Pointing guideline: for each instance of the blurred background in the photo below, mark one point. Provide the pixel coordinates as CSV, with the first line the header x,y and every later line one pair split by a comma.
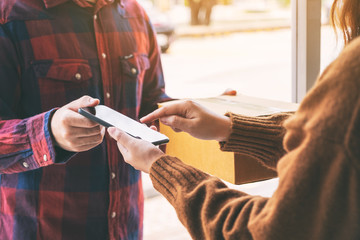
x,y
211,45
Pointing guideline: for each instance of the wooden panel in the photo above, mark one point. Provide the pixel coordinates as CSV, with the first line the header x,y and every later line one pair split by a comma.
x,y
306,29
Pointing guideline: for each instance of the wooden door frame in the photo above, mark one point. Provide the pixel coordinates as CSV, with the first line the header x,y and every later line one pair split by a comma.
x,y
306,26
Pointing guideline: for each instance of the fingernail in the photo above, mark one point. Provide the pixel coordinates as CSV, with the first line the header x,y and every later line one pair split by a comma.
x,y
111,130
92,100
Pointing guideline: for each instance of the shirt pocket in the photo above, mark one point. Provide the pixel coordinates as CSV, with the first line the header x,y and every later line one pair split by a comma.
x,y
67,79
133,68
134,65
68,70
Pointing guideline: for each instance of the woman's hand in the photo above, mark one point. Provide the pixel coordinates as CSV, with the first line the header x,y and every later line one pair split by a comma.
x,y
136,152
194,119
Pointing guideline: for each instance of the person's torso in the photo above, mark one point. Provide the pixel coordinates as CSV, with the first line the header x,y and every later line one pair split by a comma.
x,y
66,52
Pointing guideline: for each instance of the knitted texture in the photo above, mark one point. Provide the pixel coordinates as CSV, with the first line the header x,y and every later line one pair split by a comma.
x,y
317,158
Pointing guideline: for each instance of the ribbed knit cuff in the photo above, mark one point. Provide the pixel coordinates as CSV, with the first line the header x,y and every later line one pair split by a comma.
x,y
259,137
169,174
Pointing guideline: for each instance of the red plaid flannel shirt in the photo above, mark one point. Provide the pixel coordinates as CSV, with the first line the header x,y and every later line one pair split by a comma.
x,y
53,52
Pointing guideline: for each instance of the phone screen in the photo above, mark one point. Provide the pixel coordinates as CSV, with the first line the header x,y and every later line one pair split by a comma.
x,y
109,117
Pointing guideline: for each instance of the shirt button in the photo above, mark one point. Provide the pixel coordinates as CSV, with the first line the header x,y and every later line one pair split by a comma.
x,y
108,95
113,175
45,158
133,71
103,55
25,164
113,214
78,76
95,17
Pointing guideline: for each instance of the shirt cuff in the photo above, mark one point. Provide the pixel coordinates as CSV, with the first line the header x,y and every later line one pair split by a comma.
x,y
42,143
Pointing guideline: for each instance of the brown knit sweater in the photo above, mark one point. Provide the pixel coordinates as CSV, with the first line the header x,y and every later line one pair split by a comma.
x,y
316,153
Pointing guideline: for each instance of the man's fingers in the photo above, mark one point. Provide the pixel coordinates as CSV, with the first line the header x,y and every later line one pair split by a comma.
x,y
103,129
80,144
85,101
74,119
70,116
91,140
86,132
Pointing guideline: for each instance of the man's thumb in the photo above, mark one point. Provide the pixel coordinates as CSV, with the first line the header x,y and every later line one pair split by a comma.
x,y
85,101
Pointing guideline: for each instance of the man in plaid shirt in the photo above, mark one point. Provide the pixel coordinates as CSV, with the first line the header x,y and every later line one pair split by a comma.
x,y
58,178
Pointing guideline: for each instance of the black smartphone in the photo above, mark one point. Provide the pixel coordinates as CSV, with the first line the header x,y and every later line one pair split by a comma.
x,y
111,118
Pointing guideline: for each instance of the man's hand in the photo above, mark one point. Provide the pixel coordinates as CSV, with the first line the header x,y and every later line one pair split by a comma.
x,y
136,152
194,119
72,131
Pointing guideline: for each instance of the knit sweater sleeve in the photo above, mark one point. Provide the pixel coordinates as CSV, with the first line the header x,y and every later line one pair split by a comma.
x,y
259,137
318,196
204,204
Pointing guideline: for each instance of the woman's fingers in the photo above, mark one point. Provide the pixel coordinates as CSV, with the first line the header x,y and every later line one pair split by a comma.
x,y
179,109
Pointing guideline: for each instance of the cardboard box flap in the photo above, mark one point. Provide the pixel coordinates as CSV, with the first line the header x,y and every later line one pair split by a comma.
x,y
242,104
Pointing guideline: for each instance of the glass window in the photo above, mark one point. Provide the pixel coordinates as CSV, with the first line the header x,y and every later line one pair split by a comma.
x,y
246,46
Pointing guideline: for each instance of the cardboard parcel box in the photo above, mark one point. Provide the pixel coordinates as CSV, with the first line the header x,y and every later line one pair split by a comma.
x,y
206,155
